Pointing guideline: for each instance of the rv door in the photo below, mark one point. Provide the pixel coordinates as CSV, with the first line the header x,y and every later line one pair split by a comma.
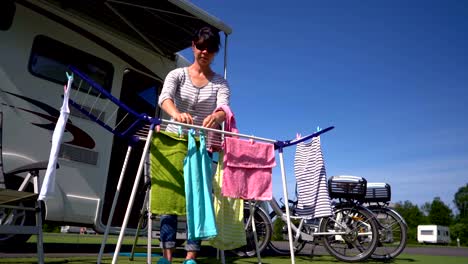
x,y
140,92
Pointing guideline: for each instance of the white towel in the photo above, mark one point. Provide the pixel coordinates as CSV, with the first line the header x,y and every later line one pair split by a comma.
x,y
48,186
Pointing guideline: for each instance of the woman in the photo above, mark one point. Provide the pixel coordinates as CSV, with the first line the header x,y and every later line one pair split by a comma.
x,y
190,95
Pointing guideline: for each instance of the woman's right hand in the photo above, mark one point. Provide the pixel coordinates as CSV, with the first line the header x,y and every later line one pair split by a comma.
x,y
183,118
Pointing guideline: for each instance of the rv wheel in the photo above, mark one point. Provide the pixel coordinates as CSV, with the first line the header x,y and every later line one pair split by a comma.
x,y
15,216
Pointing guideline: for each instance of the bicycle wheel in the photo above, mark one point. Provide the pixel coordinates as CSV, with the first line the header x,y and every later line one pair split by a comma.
x,y
392,233
361,233
298,243
263,228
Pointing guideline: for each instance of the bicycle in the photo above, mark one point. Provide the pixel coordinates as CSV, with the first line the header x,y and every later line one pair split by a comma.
x,y
393,230
263,230
392,227
350,234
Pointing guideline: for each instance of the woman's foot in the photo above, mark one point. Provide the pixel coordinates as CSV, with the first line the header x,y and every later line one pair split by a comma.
x,y
163,261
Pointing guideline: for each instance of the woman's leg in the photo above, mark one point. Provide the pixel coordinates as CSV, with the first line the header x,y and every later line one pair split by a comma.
x,y
167,235
192,247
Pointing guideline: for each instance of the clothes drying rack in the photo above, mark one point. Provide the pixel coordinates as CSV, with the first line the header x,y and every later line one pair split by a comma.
x,y
133,133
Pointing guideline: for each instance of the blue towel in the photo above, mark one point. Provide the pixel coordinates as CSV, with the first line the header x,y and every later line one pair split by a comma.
x,y
198,190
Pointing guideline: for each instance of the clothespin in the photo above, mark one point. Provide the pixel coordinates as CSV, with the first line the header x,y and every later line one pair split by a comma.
x,y
318,130
158,128
70,80
69,76
191,131
179,131
298,136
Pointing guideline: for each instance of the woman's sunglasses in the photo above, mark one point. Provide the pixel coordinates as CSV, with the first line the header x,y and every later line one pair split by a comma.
x,y
205,46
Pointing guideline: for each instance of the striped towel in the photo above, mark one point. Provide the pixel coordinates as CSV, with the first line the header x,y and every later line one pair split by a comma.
x,y
311,178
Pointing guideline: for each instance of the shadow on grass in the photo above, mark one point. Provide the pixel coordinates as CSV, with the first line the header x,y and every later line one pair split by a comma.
x,y
84,260
74,253
62,248
407,259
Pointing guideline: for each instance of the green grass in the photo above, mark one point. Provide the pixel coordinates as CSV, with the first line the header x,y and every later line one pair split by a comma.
x,y
302,259
68,238
404,258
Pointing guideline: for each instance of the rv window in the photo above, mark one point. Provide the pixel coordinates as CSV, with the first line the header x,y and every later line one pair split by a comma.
x,y
50,58
7,12
140,92
427,232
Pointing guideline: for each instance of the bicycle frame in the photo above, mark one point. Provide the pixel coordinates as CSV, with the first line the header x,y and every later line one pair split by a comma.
x,y
336,229
357,205
279,212
350,234
310,237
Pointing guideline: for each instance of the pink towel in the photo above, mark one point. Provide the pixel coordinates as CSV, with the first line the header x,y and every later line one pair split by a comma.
x,y
213,138
247,169
230,121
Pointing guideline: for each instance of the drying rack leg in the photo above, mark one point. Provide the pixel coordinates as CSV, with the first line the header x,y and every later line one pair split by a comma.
x,y
148,209
114,203
40,239
143,212
132,196
285,194
254,230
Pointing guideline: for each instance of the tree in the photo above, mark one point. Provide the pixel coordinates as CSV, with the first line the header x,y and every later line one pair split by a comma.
x,y
460,228
51,227
413,217
411,213
440,213
460,231
278,226
461,202
426,208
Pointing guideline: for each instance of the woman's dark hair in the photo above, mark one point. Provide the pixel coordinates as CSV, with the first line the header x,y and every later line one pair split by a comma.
x,y
207,36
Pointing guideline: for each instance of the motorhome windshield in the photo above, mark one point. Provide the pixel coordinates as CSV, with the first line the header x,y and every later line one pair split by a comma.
x,y
50,60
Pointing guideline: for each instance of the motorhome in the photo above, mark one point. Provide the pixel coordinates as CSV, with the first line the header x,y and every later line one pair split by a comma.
x,y
126,46
433,234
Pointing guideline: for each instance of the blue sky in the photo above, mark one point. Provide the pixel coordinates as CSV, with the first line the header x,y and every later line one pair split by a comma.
x,y
391,76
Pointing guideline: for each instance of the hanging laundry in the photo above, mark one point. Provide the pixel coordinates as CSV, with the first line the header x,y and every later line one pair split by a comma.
x,y
247,169
168,152
213,138
311,178
230,122
229,214
198,190
48,184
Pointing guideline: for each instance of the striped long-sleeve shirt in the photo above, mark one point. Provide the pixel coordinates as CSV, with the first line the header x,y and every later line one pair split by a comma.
x,y
198,101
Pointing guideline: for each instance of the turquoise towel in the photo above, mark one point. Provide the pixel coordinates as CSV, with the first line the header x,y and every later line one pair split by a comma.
x,y
198,190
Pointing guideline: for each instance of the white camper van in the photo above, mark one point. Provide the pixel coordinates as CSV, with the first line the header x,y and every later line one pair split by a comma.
x,y
127,47
433,234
